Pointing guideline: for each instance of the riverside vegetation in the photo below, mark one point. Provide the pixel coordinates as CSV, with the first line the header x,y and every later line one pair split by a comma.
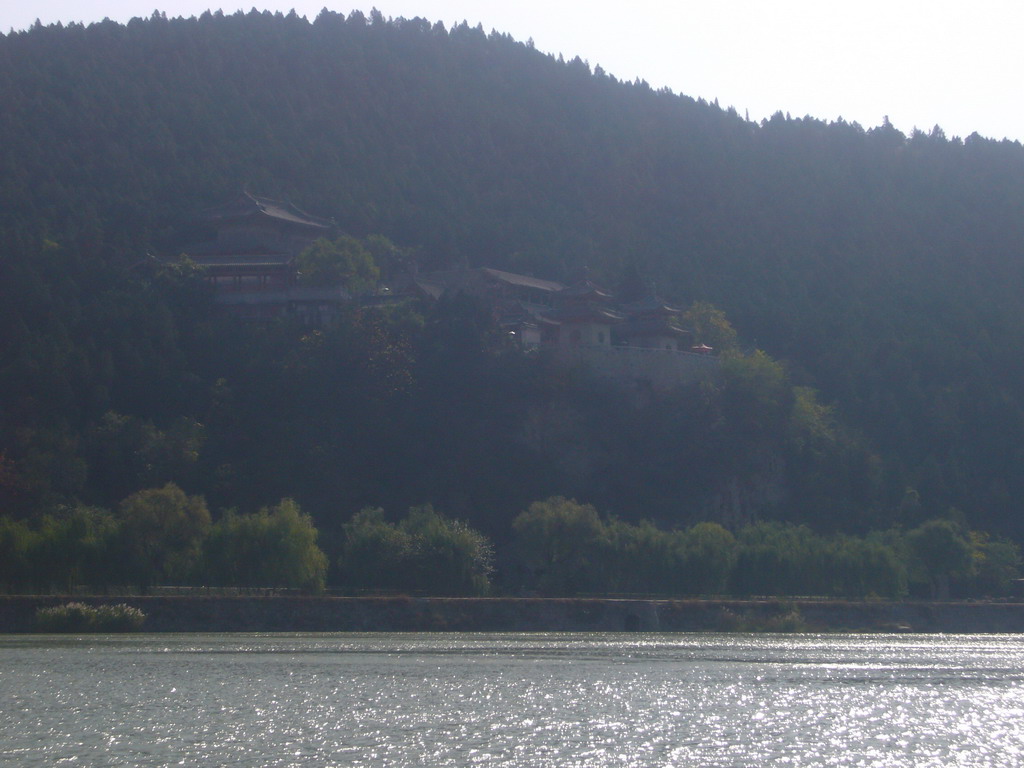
x,y
860,285
79,617
558,547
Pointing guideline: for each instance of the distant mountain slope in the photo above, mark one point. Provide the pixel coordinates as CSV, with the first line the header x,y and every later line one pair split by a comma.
x,y
886,270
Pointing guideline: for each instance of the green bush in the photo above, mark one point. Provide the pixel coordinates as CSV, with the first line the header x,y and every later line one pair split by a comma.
x,y
423,552
276,547
79,617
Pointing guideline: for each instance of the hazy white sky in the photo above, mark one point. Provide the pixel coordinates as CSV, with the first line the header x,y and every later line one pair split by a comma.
x,y
922,63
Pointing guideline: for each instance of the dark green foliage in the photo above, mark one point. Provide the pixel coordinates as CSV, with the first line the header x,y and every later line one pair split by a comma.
x,y
17,542
76,546
643,558
780,559
375,552
125,453
423,553
756,396
708,557
559,547
996,565
710,327
868,567
939,550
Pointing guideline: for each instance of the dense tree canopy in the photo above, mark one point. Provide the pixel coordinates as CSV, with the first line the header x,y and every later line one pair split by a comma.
x,y
880,274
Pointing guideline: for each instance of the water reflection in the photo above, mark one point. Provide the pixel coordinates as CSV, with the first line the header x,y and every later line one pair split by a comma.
x,y
512,700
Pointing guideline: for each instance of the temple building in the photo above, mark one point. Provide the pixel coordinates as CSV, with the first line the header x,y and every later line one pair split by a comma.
x,y
249,257
249,250
582,318
652,324
517,301
638,342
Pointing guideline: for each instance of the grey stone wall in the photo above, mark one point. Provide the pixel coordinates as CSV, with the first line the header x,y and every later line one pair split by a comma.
x,y
657,368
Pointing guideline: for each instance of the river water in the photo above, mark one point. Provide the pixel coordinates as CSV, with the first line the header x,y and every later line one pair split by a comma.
x,y
512,700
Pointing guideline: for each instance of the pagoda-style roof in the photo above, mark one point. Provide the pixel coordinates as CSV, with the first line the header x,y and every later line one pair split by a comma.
x,y
584,290
214,250
254,262
523,281
293,295
463,278
248,206
651,305
583,313
646,327
427,288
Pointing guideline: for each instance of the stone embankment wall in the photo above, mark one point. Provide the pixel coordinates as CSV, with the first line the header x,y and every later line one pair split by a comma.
x,y
405,614
658,368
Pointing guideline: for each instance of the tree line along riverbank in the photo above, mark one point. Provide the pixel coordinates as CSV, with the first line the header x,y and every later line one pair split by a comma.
x,y
557,547
274,613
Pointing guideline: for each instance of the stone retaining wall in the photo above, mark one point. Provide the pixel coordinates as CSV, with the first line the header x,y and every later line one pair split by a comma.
x,y
406,614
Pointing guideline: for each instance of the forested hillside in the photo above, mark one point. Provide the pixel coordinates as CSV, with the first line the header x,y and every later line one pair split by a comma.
x,y
880,270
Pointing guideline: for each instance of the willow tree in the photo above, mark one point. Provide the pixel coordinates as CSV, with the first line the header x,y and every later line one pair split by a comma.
x,y
275,547
162,530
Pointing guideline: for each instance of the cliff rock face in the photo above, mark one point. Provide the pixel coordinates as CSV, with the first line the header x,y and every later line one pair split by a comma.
x,y
558,432
587,455
742,498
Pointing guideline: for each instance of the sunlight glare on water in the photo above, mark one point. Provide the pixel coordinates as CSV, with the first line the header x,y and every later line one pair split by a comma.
x,y
512,700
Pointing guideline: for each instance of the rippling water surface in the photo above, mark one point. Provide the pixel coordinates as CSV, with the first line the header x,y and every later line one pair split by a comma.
x,y
512,700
